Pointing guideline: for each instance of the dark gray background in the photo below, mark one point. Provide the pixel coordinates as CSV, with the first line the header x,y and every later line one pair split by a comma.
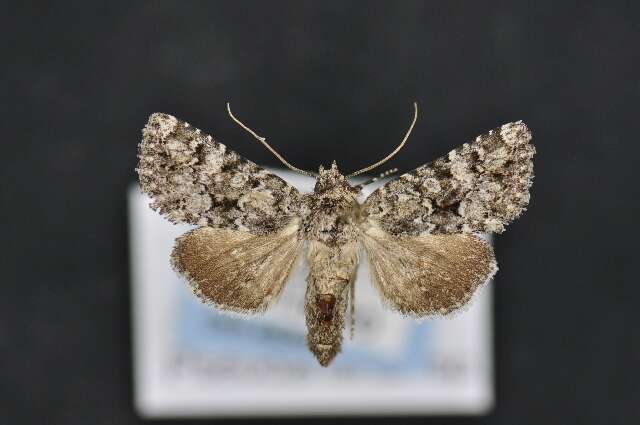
x,y
324,81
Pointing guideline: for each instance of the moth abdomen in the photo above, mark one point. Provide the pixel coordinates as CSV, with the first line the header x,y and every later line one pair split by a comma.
x,y
332,269
325,317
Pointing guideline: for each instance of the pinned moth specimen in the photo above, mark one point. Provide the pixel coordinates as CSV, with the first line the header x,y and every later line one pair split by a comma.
x,y
421,232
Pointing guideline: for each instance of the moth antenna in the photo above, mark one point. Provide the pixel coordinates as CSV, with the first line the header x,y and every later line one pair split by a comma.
x,y
263,140
378,177
396,150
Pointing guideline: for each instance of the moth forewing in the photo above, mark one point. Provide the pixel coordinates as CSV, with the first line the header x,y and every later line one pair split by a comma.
x,y
480,186
192,178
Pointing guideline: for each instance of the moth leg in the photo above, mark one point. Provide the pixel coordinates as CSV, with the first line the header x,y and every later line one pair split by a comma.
x,y
352,308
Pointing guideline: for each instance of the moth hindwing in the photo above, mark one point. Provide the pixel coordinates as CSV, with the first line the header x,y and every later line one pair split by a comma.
x,y
422,232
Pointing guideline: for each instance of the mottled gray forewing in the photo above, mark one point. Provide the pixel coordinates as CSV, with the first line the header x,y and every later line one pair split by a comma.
x,y
430,274
235,270
194,179
480,186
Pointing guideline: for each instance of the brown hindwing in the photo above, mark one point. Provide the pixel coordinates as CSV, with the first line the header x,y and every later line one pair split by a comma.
x,y
235,270
427,275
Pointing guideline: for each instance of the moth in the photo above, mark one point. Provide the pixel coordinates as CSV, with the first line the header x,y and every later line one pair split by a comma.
x,y
421,232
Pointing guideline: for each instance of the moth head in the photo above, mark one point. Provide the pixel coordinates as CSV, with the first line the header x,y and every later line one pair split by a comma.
x,y
331,178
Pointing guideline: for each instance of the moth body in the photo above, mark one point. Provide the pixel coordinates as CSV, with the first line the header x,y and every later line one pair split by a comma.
x,y
331,225
421,232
